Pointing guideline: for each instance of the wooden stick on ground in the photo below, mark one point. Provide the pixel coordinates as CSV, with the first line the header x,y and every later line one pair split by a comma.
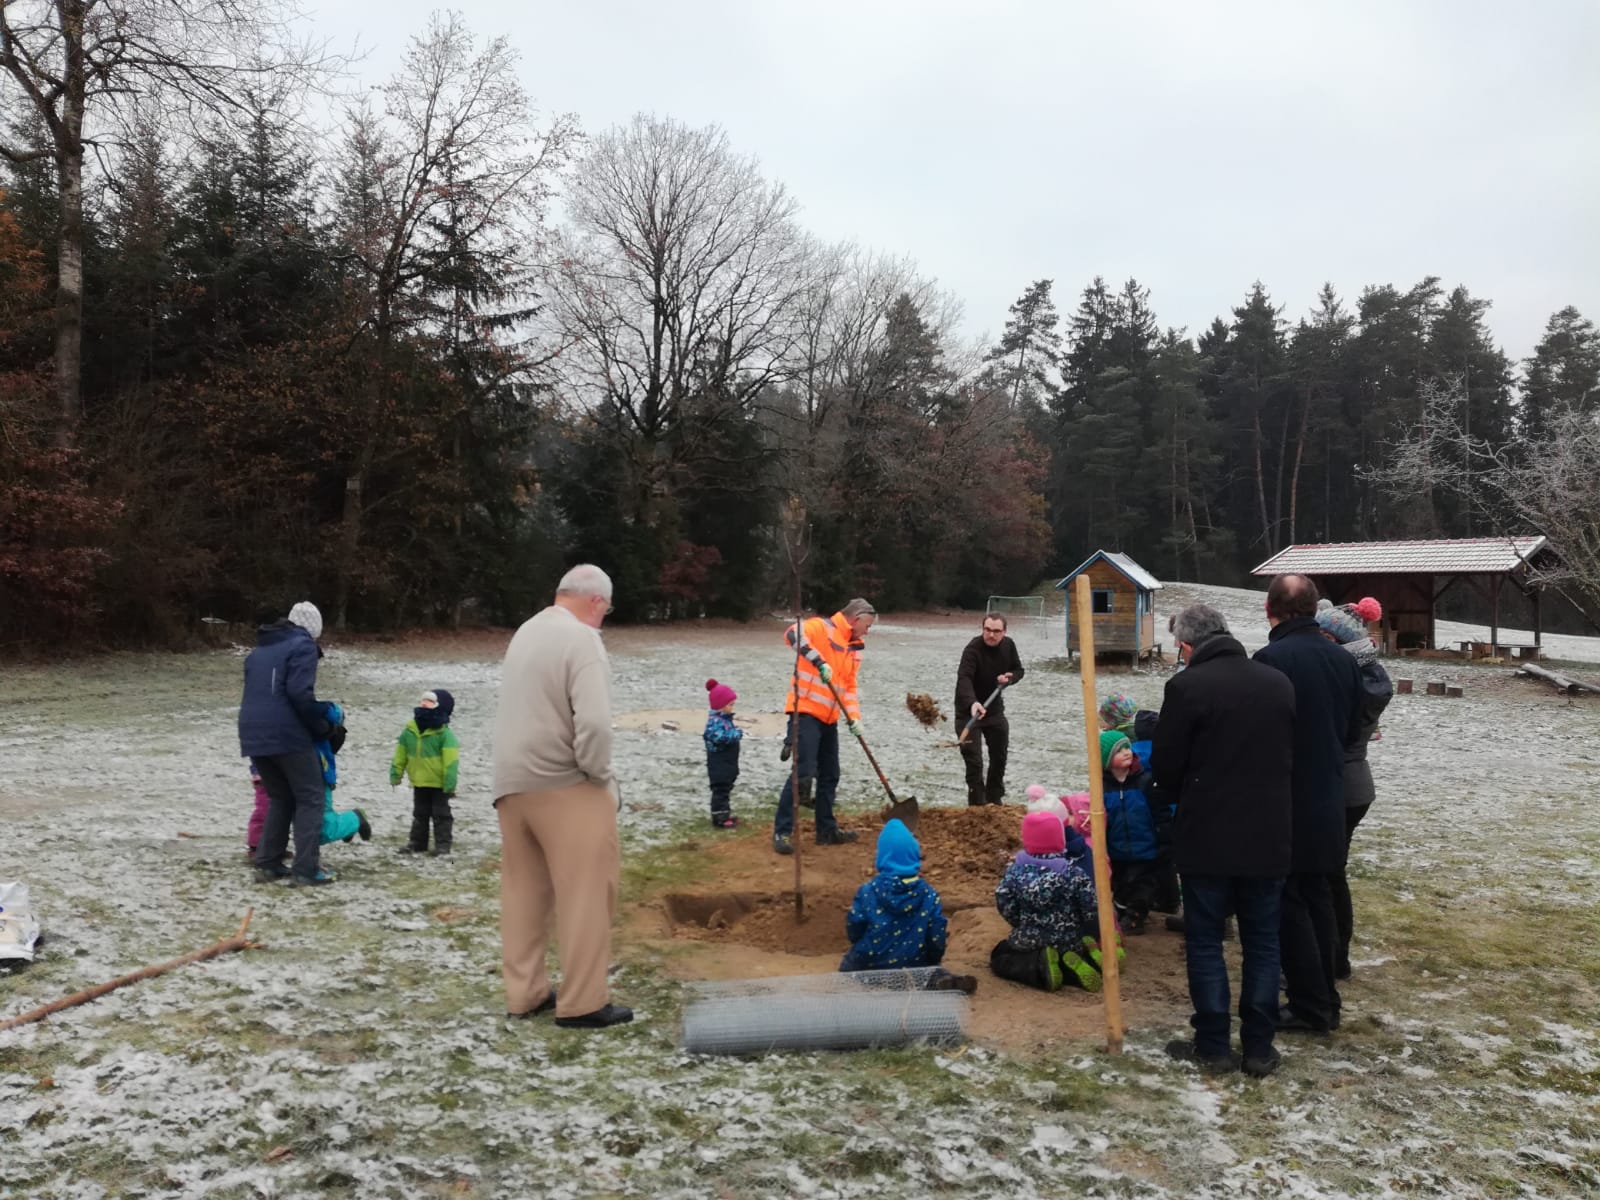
x,y
225,946
1109,976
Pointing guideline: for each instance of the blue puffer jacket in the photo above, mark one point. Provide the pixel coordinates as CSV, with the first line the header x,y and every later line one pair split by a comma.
x,y
896,920
279,712
1131,821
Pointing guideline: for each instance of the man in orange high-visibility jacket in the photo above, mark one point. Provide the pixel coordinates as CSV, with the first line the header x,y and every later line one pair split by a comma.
x,y
829,650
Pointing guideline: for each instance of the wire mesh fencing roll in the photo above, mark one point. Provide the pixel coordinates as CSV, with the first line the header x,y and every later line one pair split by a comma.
x,y
847,1011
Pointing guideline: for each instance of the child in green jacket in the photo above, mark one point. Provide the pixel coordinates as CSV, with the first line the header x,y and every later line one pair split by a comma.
x,y
427,752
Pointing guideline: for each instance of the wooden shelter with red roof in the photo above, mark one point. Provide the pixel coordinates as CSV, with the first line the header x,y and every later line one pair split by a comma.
x,y
1409,578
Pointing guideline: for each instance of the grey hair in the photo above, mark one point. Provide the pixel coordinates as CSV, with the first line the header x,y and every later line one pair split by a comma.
x,y
585,579
1197,623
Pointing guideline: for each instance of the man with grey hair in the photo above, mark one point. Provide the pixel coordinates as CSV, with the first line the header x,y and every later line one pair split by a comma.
x,y
557,801
1222,755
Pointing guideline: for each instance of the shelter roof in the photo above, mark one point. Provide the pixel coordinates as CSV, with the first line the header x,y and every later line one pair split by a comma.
x,y
1453,556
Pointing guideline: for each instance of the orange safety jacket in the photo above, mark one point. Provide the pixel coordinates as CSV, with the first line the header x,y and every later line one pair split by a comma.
x,y
827,640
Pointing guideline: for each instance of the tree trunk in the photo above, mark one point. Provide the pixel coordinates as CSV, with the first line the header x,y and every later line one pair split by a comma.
x,y
1294,477
350,531
69,227
1261,490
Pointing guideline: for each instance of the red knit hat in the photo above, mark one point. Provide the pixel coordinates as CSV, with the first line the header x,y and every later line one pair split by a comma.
x,y
720,694
1042,833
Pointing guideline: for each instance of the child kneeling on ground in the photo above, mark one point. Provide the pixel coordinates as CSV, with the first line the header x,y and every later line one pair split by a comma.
x,y
1049,903
897,920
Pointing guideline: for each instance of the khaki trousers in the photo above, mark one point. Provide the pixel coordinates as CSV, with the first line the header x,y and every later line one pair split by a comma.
x,y
559,858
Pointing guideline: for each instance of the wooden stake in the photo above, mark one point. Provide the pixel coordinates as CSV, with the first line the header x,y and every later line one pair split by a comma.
x,y
225,946
1110,978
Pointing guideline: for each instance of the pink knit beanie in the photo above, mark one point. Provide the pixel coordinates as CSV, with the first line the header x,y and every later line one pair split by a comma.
x,y
1042,833
720,695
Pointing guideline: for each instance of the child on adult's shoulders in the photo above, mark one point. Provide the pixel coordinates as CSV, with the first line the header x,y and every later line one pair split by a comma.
x,y
897,920
1049,902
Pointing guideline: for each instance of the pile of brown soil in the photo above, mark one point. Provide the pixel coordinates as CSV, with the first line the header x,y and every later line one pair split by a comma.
x,y
739,922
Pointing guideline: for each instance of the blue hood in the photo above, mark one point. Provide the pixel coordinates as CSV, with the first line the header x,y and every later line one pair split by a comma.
x,y
898,852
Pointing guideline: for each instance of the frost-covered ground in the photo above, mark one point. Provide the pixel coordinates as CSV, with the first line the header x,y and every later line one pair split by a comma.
x,y
363,1052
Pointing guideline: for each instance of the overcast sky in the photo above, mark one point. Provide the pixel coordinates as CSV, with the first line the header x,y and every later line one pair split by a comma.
x,y
1197,147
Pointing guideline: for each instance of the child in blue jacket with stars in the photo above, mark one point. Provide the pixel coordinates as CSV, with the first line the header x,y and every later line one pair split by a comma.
x,y
722,738
897,920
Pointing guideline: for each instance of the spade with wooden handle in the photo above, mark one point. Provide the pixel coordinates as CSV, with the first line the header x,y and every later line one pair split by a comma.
x,y
987,704
897,809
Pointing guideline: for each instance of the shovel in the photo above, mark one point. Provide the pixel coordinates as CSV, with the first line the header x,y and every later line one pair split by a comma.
x,y
967,728
901,810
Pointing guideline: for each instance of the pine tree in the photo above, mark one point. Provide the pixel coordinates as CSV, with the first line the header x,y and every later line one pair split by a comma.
x,y
1562,372
1028,355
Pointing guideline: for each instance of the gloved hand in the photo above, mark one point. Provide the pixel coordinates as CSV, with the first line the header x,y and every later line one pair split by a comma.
x,y
826,672
854,726
334,714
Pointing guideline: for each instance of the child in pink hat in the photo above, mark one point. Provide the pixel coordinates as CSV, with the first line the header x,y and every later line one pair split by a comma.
x,y
722,738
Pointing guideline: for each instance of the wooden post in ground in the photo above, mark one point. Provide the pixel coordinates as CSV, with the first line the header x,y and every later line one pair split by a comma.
x,y
1111,989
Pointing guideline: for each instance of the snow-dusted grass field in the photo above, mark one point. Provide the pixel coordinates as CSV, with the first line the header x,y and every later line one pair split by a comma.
x,y
363,1051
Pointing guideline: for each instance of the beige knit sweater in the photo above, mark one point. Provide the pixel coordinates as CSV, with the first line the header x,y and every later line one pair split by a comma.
x,y
553,727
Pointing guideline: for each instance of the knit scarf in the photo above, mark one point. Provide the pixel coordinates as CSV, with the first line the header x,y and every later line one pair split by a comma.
x,y
429,718
1364,649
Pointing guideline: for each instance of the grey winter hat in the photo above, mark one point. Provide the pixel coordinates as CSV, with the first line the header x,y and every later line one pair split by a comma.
x,y
859,608
306,616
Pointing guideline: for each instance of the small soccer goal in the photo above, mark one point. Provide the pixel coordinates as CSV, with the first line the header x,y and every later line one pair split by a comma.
x,y
1023,614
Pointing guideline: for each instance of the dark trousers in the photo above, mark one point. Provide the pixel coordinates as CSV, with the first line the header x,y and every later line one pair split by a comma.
x,y
1344,913
1309,940
1026,967
1139,885
431,804
994,731
294,795
722,767
816,751
1207,901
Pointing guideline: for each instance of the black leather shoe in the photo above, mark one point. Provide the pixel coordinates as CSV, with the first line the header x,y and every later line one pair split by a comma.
x,y
600,1018
837,837
1184,1050
548,1004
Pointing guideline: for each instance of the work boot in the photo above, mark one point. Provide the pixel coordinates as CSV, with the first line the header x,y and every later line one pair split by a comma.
x,y
781,843
320,879
1258,1066
837,837
271,874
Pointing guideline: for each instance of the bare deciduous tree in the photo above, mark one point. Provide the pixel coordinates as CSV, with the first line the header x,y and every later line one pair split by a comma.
x,y
1546,484
441,208
79,64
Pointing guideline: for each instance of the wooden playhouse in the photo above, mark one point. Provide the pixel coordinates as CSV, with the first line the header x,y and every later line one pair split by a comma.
x,y
1123,595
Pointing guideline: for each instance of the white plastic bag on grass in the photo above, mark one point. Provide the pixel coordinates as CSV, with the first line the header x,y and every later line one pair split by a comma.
x,y
19,928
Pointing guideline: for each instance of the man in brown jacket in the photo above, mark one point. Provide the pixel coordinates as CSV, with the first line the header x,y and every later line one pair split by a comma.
x,y
557,800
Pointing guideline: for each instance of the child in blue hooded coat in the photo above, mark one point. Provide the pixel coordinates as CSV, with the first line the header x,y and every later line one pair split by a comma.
x,y
896,920
337,826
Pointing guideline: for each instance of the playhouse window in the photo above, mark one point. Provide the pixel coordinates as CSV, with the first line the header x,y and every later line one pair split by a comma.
x,y
1100,600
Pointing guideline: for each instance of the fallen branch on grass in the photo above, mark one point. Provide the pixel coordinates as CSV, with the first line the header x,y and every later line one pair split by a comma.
x,y
225,946
1561,683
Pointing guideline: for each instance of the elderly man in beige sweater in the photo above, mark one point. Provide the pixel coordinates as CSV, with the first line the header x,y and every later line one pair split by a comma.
x,y
557,800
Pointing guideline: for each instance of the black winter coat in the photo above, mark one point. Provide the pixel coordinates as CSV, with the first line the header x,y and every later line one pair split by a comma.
x,y
1327,703
1223,754
279,712
975,677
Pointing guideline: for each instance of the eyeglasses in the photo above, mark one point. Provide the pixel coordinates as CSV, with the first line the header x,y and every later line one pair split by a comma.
x,y
610,607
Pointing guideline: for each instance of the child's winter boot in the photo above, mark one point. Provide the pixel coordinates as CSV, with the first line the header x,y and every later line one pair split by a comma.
x,y
1078,970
